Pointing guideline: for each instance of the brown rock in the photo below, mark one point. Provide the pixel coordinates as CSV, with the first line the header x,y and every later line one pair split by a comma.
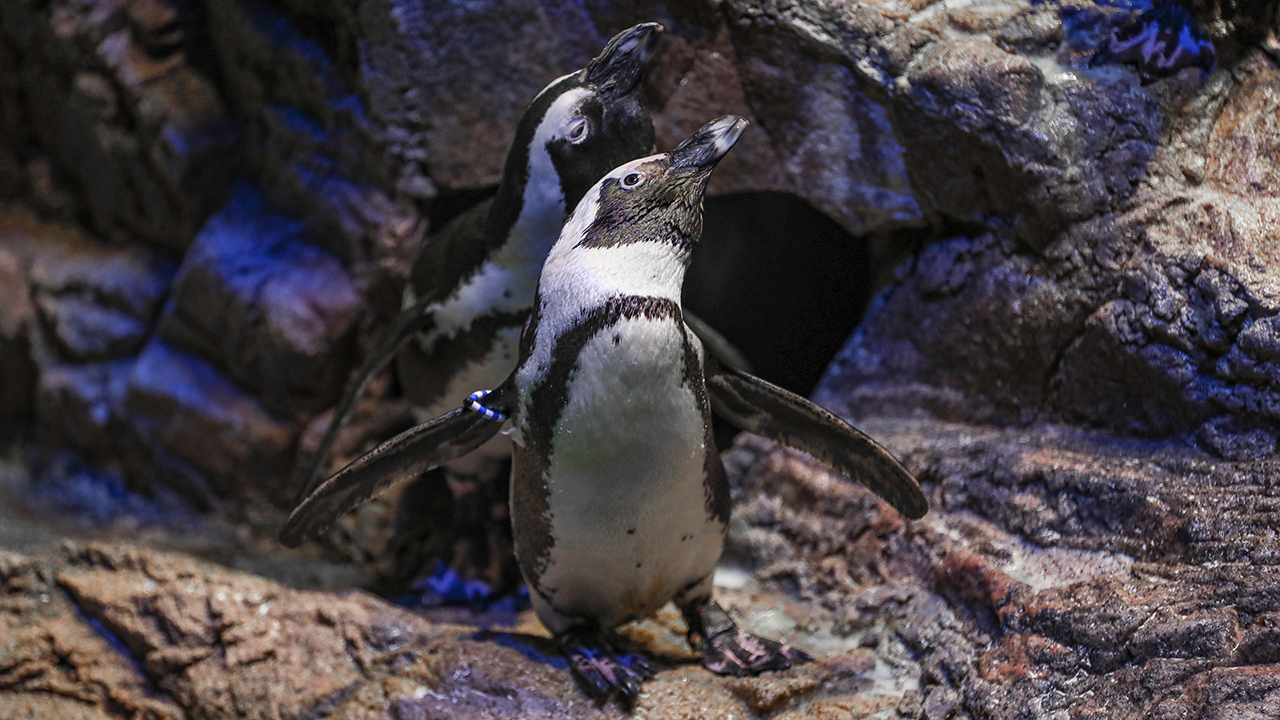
x,y
54,664
1155,320
227,645
141,133
969,578
1261,643
1243,155
17,369
75,311
253,297
98,302
767,694
1126,638
709,82
483,64
204,642
210,437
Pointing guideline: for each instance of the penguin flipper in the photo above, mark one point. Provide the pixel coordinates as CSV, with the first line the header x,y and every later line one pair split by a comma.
x,y
404,325
717,345
413,451
767,410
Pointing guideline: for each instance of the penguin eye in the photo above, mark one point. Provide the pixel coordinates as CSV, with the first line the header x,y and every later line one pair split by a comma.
x,y
632,180
578,130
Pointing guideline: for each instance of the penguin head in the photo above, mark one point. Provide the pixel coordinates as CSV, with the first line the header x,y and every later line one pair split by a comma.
x,y
590,121
657,199
632,232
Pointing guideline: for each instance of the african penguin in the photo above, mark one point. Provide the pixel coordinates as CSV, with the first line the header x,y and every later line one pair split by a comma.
x,y
473,283
619,501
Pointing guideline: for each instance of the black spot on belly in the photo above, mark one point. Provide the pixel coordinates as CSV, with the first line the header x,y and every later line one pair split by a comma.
x,y
617,338
632,531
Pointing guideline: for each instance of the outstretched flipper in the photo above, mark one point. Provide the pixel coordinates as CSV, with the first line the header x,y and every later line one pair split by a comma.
x,y
786,418
445,438
403,326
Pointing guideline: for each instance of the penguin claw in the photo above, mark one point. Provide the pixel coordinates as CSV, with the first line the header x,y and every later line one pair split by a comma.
x,y
603,673
738,653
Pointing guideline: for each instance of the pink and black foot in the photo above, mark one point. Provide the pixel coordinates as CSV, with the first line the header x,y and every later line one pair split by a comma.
x,y
728,650
599,670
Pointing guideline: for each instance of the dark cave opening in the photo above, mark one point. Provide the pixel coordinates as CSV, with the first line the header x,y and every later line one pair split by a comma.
x,y
782,281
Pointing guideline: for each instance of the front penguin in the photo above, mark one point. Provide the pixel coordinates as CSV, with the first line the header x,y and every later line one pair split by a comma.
x,y
619,501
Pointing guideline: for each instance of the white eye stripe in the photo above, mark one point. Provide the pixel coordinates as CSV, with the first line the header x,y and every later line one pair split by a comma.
x,y
563,117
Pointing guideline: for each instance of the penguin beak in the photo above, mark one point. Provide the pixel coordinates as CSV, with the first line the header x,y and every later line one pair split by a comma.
x,y
705,148
620,65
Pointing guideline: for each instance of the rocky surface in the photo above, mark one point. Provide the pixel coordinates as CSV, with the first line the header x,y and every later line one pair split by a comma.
x,y
208,208
1126,601
105,630
1155,319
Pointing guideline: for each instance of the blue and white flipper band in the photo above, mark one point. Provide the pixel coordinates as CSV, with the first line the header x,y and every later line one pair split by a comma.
x,y
473,403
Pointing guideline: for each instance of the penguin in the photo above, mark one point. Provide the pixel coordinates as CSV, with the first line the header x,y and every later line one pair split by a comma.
x,y
619,500
472,285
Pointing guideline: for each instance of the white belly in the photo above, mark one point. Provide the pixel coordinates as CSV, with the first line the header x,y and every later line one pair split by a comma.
x,y
628,506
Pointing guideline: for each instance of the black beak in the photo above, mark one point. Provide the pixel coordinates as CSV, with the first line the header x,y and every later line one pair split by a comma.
x,y
704,148
620,65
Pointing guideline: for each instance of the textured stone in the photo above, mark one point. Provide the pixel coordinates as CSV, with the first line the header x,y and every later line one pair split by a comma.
x,y
17,369
1002,623
207,435
72,320
140,133
253,297
167,636
222,644
301,95
1153,320
482,62
98,302
82,405
55,664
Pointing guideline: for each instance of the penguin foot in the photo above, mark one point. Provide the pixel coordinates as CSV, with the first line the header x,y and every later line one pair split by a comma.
x,y
740,653
599,670
728,650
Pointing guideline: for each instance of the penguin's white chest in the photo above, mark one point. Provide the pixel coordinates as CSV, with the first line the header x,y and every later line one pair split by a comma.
x,y
626,494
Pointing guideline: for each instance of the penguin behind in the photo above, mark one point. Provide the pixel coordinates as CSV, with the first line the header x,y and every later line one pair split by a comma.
x,y
473,283
619,500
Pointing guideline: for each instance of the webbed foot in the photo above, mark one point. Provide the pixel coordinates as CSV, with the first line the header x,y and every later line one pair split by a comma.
x,y
740,653
599,669
728,650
